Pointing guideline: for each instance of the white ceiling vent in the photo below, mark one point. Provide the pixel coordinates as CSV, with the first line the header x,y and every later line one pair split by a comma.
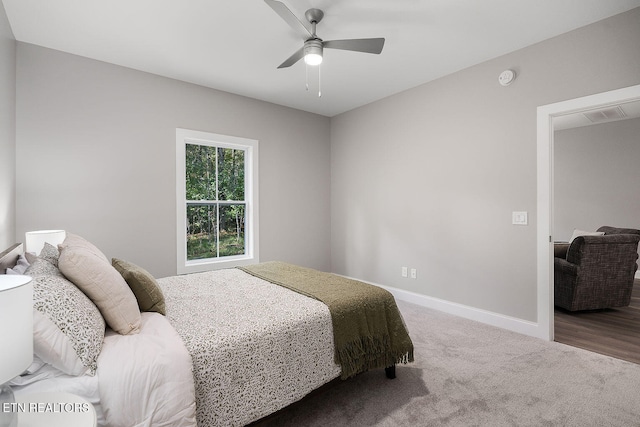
x,y
605,114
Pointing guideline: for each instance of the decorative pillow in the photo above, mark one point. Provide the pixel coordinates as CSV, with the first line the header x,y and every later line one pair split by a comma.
x,y
88,268
31,257
143,285
21,266
68,329
577,233
41,267
75,240
50,253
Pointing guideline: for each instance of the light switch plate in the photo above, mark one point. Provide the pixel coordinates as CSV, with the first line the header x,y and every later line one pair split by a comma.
x,y
519,218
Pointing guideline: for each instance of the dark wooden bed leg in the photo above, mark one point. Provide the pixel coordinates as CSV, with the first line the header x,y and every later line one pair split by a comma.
x,y
390,371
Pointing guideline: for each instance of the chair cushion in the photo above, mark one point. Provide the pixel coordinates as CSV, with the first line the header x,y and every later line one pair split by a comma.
x,y
560,249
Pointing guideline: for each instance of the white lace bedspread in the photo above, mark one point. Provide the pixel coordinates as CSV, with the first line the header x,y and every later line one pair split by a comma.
x,y
256,347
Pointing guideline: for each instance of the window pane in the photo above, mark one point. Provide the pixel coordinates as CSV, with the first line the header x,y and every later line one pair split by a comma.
x,y
230,174
200,162
216,222
201,232
232,230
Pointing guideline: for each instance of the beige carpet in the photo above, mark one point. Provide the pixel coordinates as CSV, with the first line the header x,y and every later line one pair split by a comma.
x,y
471,374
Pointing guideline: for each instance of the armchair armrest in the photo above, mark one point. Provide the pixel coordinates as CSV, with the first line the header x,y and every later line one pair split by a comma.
x,y
565,267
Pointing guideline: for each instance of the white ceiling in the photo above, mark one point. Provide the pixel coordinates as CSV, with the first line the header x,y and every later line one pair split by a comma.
x,y
236,45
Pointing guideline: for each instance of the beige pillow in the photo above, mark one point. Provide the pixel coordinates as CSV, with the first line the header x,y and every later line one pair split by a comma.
x,y
143,285
577,233
75,240
89,269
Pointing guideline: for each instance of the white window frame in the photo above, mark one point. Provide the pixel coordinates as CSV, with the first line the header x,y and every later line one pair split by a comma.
x,y
250,146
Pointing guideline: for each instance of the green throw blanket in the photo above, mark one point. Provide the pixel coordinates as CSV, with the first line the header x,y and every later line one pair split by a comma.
x,y
368,329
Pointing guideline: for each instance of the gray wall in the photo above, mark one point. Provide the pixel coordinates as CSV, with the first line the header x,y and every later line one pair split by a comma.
x,y
428,178
96,156
597,177
7,131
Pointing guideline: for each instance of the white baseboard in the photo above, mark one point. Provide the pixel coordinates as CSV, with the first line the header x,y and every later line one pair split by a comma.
x,y
514,324
490,318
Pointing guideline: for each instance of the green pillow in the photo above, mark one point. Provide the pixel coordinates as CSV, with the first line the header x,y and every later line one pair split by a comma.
x,y
143,285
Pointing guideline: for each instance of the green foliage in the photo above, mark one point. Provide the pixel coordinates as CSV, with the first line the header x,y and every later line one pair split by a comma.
x,y
204,246
205,181
214,175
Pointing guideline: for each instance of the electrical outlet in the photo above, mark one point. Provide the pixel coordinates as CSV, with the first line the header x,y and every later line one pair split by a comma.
x,y
404,272
414,273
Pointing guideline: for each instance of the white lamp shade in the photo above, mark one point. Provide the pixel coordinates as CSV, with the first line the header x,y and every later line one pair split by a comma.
x,y
16,325
35,240
313,52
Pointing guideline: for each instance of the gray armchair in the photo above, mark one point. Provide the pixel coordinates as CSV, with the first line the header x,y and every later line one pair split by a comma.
x,y
598,271
614,230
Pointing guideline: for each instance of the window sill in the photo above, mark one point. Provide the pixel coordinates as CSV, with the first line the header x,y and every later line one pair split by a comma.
x,y
199,266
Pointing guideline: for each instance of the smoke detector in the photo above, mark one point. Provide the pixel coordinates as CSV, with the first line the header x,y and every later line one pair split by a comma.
x,y
506,77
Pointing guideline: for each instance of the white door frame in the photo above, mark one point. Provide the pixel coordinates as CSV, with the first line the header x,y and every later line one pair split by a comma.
x,y
546,113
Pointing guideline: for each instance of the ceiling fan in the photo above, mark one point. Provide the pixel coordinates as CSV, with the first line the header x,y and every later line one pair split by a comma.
x,y
313,46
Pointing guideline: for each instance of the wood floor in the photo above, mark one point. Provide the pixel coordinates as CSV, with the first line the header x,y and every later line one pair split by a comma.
x,y
614,332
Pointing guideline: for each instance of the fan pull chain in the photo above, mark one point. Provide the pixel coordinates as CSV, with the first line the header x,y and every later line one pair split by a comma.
x,y
319,84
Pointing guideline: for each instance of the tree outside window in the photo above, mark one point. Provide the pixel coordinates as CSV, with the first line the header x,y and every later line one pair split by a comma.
x,y
218,190
215,201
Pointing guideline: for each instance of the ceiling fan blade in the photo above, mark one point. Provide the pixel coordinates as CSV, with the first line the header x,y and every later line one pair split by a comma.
x,y
293,58
298,26
358,45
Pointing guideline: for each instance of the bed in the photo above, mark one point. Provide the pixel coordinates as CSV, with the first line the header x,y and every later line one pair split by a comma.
x,y
226,347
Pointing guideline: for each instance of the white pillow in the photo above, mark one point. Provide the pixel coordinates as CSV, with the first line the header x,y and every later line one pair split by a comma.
x,y
38,371
21,266
90,270
577,233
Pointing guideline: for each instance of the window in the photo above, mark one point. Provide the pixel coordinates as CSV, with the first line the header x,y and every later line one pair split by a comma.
x,y
217,211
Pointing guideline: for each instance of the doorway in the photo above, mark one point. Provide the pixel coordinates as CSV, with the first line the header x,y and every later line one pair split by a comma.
x,y
545,144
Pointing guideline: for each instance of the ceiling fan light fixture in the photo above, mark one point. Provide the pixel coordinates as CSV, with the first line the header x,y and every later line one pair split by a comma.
x,y
313,52
313,59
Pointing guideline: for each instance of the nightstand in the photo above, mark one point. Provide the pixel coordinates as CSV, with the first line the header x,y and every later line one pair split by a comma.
x,y
54,410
